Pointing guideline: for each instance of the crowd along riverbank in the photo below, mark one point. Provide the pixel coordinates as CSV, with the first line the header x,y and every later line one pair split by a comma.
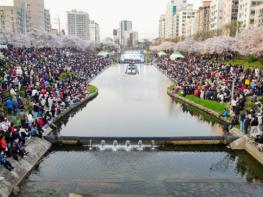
x,y
37,148
243,143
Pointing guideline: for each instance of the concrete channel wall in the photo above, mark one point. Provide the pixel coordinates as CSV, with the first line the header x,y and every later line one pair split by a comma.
x,y
240,144
187,140
204,109
37,148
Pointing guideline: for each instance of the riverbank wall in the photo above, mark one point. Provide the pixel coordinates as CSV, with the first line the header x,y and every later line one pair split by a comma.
x,y
37,149
199,107
90,97
245,144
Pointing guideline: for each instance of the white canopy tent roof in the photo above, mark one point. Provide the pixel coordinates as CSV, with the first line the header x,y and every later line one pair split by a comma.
x,y
161,53
103,54
176,55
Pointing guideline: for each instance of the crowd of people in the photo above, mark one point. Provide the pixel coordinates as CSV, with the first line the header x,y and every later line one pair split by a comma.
x,y
36,86
208,79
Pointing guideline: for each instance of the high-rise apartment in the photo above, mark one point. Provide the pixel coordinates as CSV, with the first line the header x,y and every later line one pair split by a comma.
x,y
78,24
115,36
47,20
94,32
259,15
124,32
247,13
202,17
134,38
162,27
22,16
172,9
216,14
13,17
230,11
186,21
35,15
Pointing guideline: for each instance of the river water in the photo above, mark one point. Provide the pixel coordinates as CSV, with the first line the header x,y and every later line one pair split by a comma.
x,y
134,106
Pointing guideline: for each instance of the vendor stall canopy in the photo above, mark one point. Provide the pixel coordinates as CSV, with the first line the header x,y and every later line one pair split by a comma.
x,y
162,53
176,55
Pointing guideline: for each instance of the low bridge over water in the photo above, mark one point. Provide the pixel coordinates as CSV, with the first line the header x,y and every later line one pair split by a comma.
x,y
187,140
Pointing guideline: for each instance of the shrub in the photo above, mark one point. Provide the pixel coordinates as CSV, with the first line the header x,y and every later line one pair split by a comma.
x,y
65,75
251,59
91,89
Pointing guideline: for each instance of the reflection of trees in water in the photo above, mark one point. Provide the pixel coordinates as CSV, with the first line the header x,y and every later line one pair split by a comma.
x,y
64,120
202,116
249,168
223,164
246,166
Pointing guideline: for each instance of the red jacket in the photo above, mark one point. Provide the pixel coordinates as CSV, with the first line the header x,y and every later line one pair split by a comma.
x,y
3,143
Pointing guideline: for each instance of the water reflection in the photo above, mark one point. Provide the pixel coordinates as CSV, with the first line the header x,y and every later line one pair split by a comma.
x,y
219,172
219,159
131,106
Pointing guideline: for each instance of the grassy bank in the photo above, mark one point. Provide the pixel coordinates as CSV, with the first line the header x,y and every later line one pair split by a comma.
x,y
247,62
91,89
213,105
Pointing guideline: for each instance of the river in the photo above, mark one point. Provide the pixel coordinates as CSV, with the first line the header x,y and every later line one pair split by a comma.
x,y
135,106
138,106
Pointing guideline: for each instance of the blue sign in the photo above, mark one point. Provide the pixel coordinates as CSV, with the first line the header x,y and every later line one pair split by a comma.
x,y
174,9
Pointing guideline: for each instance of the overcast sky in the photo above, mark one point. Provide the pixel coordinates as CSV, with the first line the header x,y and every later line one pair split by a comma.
x,y
108,13
143,13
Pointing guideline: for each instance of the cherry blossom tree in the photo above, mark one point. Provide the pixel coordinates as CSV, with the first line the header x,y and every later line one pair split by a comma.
x,y
43,39
248,42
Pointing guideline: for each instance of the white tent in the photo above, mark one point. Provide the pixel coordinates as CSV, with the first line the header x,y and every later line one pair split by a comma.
x,y
103,54
3,46
161,53
176,55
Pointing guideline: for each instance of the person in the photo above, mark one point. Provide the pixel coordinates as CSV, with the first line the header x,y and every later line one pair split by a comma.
x,y
5,163
226,127
241,121
234,121
225,113
254,126
9,105
246,123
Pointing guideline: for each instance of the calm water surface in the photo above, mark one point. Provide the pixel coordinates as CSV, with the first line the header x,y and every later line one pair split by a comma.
x,y
134,106
129,106
180,173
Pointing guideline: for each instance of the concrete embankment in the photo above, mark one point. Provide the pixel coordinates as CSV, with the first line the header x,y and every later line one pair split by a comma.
x,y
178,141
37,148
243,143
70,109
200,107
